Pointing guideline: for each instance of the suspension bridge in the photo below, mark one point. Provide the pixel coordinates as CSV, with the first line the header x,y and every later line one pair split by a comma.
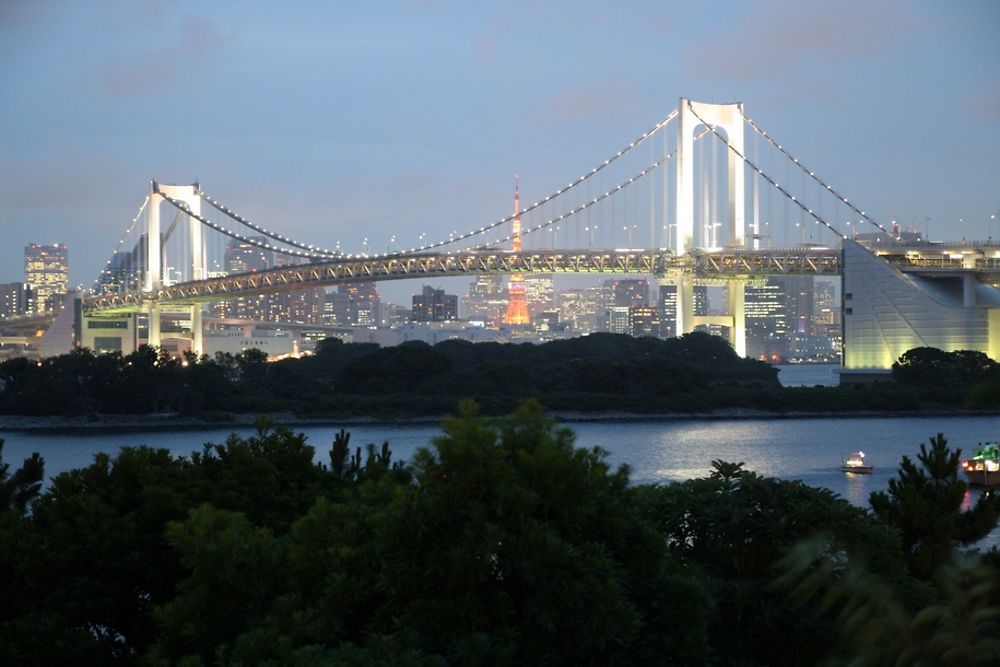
x,y
705,196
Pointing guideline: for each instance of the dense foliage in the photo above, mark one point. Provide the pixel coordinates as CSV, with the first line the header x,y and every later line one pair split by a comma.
x,y
960,377
501,544
598,373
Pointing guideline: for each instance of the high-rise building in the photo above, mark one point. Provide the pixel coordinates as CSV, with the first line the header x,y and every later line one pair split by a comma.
x,y
628,293
766,313
16,299
668,307
765,309
517,307
486,301
668,310
360,303
539,294
582,309
645,321
433,305
826,310
46,269
619,320
801,301
124,270
243,257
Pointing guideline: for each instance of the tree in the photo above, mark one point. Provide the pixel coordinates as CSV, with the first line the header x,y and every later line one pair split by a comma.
x,y
924,502
732,527
876,624
19,488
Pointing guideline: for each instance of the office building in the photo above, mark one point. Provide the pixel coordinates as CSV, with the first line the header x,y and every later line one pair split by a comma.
x,y
667,304
433,305
486,301
46,269
766,312
628,293
16,299
582,310
645,321
539,294
356,305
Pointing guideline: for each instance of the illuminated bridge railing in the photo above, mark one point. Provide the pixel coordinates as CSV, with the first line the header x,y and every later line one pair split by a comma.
x,y
769,262
400,267
752,263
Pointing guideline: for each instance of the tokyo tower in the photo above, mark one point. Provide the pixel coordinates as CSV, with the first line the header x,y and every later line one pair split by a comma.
x,y
517,308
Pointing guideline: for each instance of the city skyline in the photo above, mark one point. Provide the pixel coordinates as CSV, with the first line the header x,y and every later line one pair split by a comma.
x,y
402,122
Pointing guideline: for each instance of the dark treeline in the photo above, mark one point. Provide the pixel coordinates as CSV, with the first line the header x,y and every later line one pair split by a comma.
x,y
602,372
501,544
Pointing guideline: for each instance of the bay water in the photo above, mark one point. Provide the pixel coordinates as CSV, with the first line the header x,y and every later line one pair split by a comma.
x,y
656,451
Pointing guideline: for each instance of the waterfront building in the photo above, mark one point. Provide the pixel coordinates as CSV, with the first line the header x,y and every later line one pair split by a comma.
x,y
887,312
46,269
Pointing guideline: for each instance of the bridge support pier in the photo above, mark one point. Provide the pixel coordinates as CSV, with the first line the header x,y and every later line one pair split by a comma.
x,y
154,338
197,330
685,303
737,310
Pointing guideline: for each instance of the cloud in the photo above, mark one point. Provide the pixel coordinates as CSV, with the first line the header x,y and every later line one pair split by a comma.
x,y
775,37
581,102
197,40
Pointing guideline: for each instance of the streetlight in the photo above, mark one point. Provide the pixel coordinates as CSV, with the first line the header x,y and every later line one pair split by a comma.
x,y
962,222
365,243
990,226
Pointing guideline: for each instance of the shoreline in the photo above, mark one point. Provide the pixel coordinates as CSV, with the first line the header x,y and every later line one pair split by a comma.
x,y
173,422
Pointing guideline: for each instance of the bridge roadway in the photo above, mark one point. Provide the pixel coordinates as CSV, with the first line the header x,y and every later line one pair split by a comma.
x,y
720,264
931,260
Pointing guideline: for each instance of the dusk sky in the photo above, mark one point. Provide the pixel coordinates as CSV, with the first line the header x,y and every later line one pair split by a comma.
x,y
332,121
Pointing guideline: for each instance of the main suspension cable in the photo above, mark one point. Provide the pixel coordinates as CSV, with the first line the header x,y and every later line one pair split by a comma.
x,y
528,209
811,174
106,270
222,208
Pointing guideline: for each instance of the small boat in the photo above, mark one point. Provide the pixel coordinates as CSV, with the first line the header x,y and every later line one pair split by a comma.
x,y
983,469
856,463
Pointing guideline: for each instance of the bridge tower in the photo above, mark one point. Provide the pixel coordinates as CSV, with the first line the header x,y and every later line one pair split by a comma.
x,y
728,117
189,195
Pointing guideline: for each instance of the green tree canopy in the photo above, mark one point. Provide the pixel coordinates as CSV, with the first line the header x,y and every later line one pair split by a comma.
x,y
924,503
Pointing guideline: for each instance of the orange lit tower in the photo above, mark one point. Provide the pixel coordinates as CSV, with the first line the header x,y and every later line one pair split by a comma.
x,y
517,308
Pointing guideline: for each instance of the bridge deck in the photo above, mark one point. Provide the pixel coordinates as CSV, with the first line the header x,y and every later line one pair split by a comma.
x,y
741,263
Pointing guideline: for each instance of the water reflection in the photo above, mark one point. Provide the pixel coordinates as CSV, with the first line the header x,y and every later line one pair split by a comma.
x,y
810,450
858,489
